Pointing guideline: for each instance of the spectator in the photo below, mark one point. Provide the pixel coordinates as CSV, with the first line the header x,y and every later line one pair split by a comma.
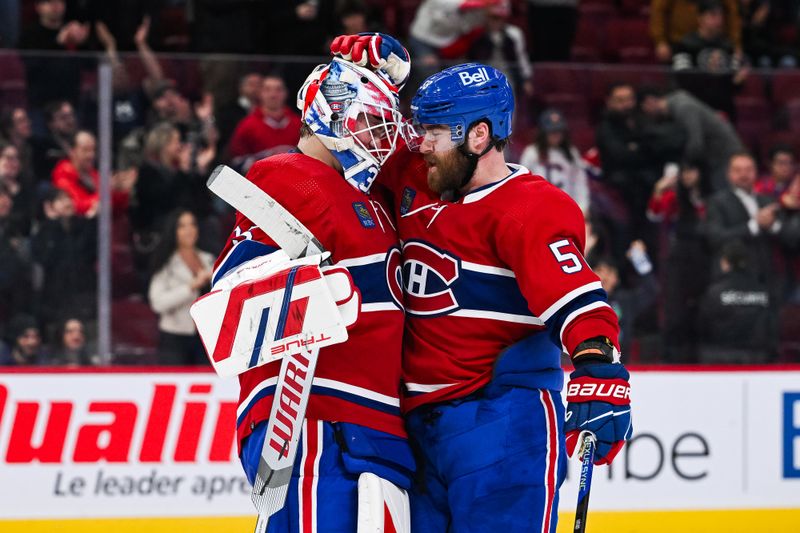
x,y
781,172
790,239
22,193
671,20
65,248
15,128
739,213
247,100
71,348
78,175
711,139
552,25
633,152
51,148
502,45
15,268
270,128
181,273
25,340
444,29
52,78
355,17
628,303
554,157
315,20
736,314
679,203
166,181
705,63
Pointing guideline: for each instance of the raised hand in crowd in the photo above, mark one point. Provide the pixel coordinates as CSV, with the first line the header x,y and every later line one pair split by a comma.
x,y
142,32
73,33
767,215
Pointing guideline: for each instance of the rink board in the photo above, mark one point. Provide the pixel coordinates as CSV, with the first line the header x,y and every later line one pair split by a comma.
x,y
714,449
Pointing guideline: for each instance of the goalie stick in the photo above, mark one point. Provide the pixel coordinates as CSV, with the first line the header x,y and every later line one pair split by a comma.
x,y
585,480
293,388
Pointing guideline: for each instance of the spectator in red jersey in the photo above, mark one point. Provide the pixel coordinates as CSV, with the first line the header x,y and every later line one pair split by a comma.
x,y
781,172
78,175
270,129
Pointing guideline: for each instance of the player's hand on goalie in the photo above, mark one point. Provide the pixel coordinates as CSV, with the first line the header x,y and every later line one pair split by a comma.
x,y
598,400
378,51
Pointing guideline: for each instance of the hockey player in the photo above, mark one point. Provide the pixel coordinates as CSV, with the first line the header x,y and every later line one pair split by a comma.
x,y
353,422
496,287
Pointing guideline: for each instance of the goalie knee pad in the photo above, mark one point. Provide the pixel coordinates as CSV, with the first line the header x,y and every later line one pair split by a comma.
x,y
383,507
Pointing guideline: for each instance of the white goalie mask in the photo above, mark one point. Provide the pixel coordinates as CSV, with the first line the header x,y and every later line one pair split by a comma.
x,y
353,112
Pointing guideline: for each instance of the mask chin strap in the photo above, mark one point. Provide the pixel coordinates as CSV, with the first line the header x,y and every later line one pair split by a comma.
x,y
472,160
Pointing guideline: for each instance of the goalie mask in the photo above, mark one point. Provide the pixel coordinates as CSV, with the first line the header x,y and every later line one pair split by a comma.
x,y
353,112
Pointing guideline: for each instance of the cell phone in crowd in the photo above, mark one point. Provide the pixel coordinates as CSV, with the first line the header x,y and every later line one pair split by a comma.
x,y
671,170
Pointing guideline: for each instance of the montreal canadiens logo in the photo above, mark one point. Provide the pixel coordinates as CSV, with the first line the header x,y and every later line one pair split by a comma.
x,y
429,276
394,275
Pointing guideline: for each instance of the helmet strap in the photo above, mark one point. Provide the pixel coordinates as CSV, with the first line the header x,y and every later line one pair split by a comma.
x,y
472,160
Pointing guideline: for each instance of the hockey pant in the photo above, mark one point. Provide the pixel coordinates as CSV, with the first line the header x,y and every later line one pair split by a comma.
x,y
492,461
332,489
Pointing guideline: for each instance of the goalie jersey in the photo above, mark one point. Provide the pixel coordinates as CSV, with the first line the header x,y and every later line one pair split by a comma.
x,y
357,381
496,286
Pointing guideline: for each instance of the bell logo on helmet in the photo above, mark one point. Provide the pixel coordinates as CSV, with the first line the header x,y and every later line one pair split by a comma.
x,y
479,76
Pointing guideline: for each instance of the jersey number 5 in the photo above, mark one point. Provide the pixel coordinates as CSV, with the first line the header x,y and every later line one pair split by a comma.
x,y
573,264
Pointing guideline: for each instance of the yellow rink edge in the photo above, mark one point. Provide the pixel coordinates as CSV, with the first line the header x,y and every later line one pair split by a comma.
x,y
721,521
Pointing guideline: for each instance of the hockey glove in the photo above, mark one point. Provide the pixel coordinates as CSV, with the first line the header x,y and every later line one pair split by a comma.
x,y
379,51
598,400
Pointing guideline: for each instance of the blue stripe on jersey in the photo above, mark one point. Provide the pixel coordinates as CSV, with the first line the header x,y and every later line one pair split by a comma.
x,y
489,292
263,393
555,322
244,251
323,391
371,281
355,398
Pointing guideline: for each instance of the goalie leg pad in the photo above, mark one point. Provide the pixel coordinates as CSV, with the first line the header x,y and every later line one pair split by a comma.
x,y
383,507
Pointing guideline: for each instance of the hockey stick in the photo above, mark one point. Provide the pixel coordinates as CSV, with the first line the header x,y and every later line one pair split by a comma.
x,y
297,372
587,466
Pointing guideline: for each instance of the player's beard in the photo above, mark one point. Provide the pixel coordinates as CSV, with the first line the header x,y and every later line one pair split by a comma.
x,y
446,170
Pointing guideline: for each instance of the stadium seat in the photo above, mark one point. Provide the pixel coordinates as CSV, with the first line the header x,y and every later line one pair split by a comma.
x,y
590,38
785,84
629,41
12,79
559,79
134,331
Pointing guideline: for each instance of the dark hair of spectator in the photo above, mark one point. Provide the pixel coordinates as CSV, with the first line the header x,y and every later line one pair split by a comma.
x,y
543,148
605,262
650,91
780,148
52,194
613,86
18,325
737,255
704,6
7,122
168,241
352,7
741,153
686,209
52,108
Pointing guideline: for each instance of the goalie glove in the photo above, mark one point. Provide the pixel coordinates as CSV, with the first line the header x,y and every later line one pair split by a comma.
x,y
598,401
379,51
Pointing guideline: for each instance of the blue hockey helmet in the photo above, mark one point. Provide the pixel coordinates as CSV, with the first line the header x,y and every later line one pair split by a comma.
x,y
462,95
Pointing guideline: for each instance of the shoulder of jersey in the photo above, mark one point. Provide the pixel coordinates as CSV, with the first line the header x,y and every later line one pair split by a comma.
x,y
530,196
292,171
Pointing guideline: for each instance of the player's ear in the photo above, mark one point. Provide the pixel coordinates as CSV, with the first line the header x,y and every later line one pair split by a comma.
x,y
478,137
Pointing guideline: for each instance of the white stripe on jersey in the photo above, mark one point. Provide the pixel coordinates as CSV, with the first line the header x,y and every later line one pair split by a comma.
x,y
516,170
363,260
503,317
358,391
486,269
261,386
571,295
378,306
421,387
570,317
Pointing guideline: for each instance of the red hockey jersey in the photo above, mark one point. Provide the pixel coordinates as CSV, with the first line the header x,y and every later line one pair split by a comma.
x,y
357,381
484,276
